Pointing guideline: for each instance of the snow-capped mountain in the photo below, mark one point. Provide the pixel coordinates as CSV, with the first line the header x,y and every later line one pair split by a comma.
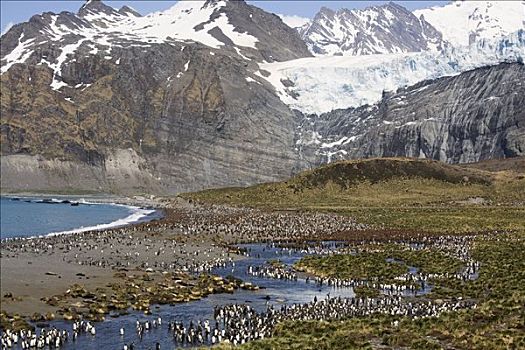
x,y
321,84
381,29
230,25
196,95
106,98
463,22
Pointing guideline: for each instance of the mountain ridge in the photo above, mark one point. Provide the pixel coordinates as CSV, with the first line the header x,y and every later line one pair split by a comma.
x,y
388,28
391,28
99,102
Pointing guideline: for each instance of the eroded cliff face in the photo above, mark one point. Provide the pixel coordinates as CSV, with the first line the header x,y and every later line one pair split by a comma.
x,y
188,111
473,116
106,100
124,171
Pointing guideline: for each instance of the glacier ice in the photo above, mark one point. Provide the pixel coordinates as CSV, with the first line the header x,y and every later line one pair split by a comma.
x,y
321,84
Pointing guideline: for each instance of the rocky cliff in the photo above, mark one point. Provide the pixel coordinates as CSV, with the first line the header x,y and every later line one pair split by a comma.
x,y
474,116
182,114
186,99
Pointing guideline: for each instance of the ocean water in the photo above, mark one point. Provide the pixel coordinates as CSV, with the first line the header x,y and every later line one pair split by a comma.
x,y
27,217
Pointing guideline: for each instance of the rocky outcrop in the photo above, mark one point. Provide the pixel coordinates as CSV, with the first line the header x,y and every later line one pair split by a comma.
x,y
192,116
276,41
474,116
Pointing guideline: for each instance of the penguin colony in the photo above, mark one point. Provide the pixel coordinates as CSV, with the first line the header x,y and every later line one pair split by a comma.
x,y
237,323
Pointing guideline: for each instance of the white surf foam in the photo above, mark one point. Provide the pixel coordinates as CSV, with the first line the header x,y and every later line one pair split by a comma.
x,y
136,215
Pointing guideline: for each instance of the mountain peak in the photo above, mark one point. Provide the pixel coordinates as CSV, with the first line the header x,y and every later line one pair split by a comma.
x,y
126,10
465,22
95,6
387,28
326,11
395,7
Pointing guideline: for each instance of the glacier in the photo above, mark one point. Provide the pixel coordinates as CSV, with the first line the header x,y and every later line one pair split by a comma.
x,y
321,84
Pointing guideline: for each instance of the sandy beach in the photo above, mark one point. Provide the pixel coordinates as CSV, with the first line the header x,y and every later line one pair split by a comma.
x,y
38,268
37,273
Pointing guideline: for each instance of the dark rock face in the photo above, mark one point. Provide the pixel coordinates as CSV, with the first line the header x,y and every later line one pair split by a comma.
x,y
388,28
191,118
168,117
474,116
86,107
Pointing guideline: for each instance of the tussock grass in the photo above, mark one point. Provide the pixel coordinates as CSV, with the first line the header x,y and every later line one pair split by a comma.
x,y
373,265
377,183
412,196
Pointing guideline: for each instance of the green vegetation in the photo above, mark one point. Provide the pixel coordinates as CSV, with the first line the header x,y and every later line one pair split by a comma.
x,y
497,323
441,219
372,265
364,291
402,198
366,266
275,263
377,183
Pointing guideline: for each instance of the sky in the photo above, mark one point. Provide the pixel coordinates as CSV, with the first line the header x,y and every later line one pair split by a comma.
x,y
16,11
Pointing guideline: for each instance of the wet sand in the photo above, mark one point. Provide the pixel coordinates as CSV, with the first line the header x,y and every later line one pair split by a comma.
x,y
49,266
25,278
189,239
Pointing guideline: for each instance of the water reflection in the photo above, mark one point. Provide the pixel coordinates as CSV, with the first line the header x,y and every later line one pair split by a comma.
x,y
274,292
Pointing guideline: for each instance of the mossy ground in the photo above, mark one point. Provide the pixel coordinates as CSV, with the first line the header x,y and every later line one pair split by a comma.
x,y
340,186
498,322
374,264
410,200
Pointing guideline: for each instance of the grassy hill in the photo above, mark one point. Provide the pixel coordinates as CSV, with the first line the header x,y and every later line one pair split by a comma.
x,y
396,193
373,182
516,165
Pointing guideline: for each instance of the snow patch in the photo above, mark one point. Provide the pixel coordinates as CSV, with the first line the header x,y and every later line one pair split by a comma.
x,y
19,54
57,82
335,143
251,80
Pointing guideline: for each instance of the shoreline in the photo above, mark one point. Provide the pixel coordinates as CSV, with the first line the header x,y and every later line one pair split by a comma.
x,y
36,277
99,198
138,213
33,276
